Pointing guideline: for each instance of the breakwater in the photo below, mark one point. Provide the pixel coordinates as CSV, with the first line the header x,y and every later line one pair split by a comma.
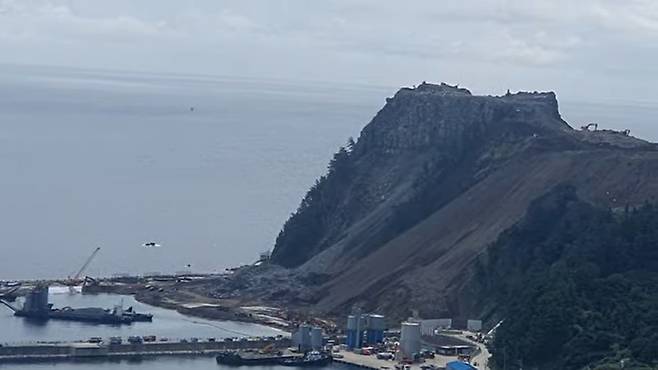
x,y
71,351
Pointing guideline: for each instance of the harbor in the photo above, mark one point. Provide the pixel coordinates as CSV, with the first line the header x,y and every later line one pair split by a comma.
x,y
37,306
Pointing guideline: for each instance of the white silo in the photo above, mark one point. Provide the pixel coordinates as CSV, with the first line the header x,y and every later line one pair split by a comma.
x,y
410,339
316,338
302,337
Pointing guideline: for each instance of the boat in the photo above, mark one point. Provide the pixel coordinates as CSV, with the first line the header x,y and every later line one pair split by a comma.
x,y
237,358
313,358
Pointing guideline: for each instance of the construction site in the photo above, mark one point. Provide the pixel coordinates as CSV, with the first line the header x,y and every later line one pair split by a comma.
x,y
366,340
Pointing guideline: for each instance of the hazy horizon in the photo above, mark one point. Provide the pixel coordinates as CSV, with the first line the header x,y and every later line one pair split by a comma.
x,y
592,48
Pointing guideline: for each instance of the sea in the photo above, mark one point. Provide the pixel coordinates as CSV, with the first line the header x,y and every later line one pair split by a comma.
x,y
207,167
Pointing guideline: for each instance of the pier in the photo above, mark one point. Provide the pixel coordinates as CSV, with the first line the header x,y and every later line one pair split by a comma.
x,y
71,351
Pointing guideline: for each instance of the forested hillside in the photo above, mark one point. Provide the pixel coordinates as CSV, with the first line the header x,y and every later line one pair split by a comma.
x,y
576,285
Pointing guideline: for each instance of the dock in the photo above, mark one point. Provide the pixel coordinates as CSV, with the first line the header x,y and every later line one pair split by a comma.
x,y
73,351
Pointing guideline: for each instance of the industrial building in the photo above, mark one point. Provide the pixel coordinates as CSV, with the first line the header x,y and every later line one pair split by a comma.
x,y
431,326
474,325
455,350
459,365
364,329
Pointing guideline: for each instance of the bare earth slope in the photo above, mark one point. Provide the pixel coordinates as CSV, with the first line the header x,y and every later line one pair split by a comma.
x,y
434,178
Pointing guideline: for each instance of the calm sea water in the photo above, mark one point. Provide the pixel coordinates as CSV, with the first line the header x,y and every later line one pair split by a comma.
x,y
114,160
208,167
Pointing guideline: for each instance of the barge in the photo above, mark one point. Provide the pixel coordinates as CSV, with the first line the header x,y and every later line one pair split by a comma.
x,y
237,358
242,358
36,307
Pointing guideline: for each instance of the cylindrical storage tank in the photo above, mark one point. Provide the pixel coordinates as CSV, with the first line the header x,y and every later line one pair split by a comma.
x,y
374,336
36,300
351,322
354,331
350,339
316,338
305,336
375,329
27,304
302,338
43,299
376,322
410,339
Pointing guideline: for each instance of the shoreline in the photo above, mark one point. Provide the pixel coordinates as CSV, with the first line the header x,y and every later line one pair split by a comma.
x,y
207,296
190,298
206,312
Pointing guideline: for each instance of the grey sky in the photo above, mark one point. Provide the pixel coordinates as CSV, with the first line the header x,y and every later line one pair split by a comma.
x,y
595,48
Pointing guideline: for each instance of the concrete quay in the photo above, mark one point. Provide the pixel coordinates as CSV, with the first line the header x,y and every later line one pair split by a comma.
x,y
73,351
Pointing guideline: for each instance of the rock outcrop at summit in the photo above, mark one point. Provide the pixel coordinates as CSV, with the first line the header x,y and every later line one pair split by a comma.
x,y
433,179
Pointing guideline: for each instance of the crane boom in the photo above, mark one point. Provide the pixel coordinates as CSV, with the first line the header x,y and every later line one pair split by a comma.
x,y
8,305
87,262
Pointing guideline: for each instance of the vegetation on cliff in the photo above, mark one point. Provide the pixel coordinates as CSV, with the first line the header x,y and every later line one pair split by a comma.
x,y
577,286
308,226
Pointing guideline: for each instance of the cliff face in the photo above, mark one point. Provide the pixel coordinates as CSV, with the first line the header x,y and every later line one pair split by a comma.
x,y
419,136
433,179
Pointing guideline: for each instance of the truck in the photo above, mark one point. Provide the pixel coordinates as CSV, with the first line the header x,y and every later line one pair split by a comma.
x,y
116,340
385,356
135,339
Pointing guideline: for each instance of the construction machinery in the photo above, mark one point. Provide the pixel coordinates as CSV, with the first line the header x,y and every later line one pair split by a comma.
x,y
75,280
595,127
267,349
10,295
